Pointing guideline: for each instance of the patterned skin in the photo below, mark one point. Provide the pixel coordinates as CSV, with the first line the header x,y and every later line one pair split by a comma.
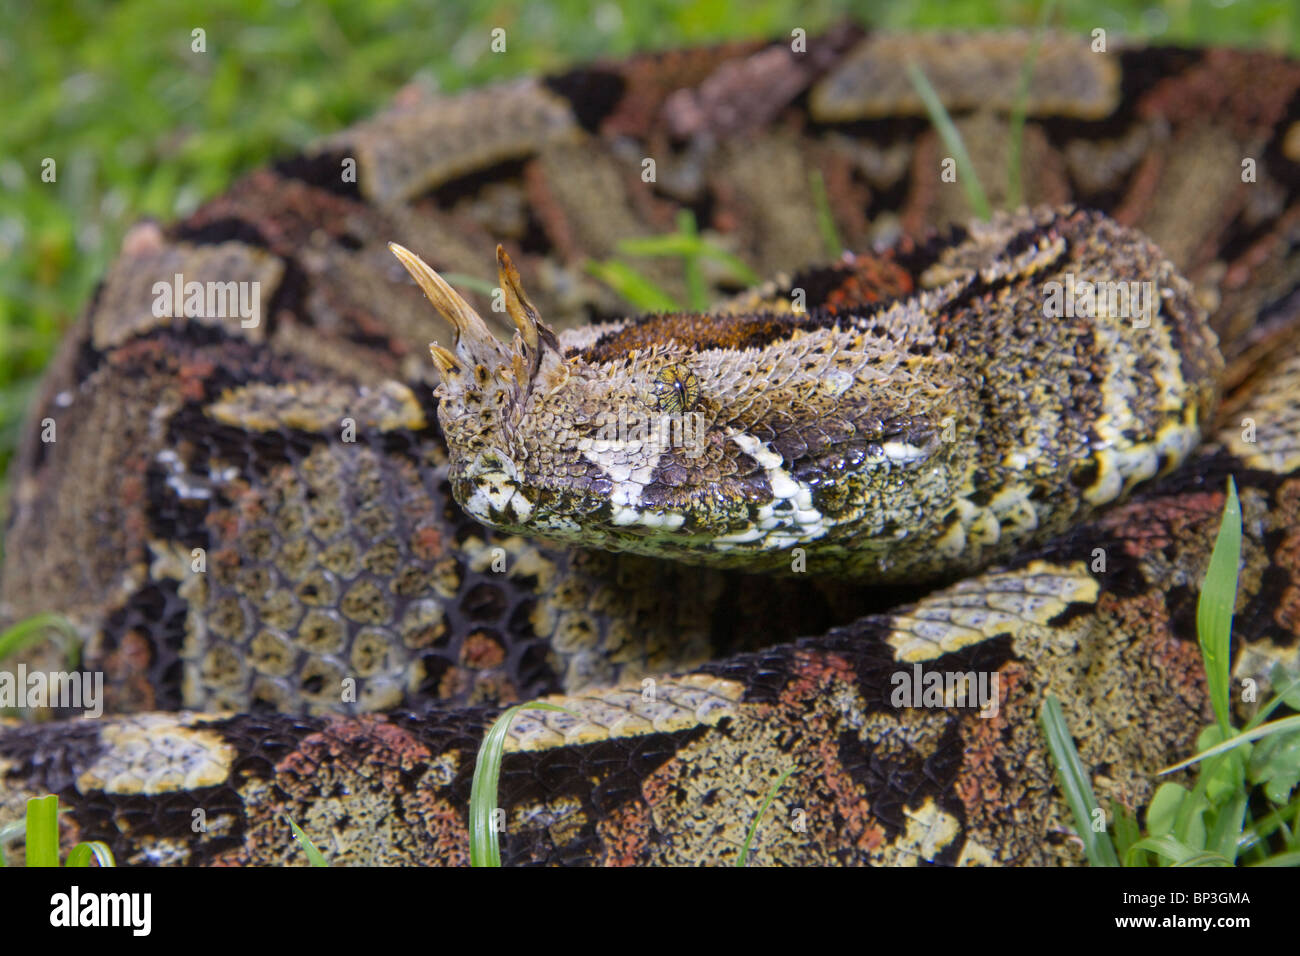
x,y
302,459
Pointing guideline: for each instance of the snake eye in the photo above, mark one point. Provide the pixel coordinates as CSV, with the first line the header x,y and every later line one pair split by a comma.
x,y
676,389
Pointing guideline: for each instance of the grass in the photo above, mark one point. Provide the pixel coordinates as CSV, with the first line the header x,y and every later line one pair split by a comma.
x,y
41,627
1243,807
947,130
314,856
758,818
685,244
484,837
41,831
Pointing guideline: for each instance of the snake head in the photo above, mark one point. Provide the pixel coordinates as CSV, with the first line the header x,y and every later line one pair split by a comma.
x,y
719,439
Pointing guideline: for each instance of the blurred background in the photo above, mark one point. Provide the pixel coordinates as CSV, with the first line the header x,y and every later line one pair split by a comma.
x,y
141,126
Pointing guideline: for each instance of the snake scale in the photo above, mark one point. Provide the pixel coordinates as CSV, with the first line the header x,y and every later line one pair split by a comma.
x,y
897,461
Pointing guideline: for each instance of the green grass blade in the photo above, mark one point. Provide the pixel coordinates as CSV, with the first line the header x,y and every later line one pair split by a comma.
x,y
735,265
947,130
484,842
753,826
1274,703
1225,838
825,217
481,286
12,830
8,833
1284,726
1263,827
1179,853
1020,109
314,856
671,245
1126,830
635,288
83,853
697,294
37,628
1281,859
43,831
1074,783
1215,607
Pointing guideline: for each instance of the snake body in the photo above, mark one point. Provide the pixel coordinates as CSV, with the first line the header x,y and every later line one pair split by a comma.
x,y
311,585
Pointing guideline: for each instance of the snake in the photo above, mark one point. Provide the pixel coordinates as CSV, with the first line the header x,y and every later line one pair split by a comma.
x,y
758,552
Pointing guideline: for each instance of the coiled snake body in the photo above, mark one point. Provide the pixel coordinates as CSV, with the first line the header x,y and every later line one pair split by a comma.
x,y
254,525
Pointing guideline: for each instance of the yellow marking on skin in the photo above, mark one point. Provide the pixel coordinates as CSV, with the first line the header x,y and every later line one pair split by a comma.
x,y
1291,143
972,854
679,703
1276,419
158,753
929,831
971,612
319,407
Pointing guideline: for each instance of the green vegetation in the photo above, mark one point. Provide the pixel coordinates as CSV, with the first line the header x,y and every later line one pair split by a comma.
x,y
314,856
484,839
41,830
762,811
1244,807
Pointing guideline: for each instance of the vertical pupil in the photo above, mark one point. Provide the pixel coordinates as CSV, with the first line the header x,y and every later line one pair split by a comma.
x,y
680,388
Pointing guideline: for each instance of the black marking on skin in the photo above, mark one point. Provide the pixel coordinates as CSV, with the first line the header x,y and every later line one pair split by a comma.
x,y
217,231
447,194
893,786
53,769
157,613
321,171
592,94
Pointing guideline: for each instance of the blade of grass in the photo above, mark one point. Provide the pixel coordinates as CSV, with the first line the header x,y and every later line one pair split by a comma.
x,y
1178,853
314,856
675,244
32,630
43,831
1074,783
484,843
1281,859
639,291
8,833
1215,607
1225,838
1020,108
696,294
1273,704
767,802
1127,831
825,218
947,130
482,286
83,853
1283,726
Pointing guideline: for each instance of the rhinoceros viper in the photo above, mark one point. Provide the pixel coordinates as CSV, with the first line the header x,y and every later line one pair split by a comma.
x,y
252,518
